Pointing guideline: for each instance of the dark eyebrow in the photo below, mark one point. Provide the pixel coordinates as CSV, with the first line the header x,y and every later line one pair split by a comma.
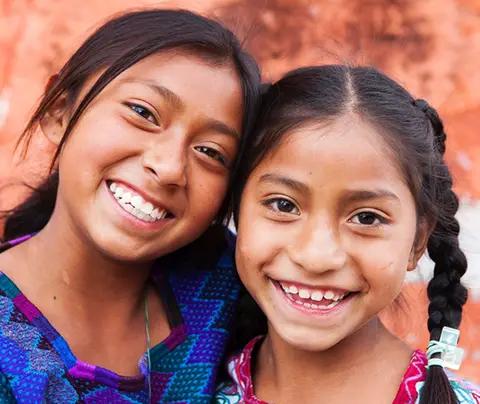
x,y
173,99
221,127
288,182
364,195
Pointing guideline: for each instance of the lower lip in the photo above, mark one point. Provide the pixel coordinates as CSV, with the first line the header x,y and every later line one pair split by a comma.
x,y
135,222
323,312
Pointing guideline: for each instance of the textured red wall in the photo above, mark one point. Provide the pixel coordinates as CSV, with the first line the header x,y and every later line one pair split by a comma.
x,y
432,46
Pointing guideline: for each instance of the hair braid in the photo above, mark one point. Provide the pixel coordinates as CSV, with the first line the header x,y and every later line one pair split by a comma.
x,y
446,293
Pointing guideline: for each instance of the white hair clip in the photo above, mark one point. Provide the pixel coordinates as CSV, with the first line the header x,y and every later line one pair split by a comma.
x,y
450,355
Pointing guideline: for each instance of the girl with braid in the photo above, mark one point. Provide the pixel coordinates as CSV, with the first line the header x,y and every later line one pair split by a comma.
x,y
344,188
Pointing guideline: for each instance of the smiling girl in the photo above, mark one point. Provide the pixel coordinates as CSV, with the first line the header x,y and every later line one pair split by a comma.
x,y
344,189
150,117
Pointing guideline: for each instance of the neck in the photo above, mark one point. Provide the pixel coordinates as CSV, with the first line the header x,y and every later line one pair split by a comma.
x,y
91,299
64,260
354,359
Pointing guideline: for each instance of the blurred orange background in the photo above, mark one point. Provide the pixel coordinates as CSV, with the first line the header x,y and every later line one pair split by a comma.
x,y
432,47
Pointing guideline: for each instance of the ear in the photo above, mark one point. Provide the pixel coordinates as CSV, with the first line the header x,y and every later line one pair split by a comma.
x,y
55,121
420,245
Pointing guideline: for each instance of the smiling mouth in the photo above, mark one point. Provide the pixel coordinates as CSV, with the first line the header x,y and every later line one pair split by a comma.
x,y
314,299
134,204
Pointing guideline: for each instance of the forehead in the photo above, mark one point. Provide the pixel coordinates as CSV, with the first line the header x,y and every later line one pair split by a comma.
x,y
181,71
347,149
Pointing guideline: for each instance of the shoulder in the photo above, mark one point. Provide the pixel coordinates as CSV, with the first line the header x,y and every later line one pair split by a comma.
x,y
215,247
232,391
414,380
466,391
240,386
209,258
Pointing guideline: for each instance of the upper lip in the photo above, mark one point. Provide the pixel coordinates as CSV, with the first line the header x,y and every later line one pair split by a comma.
x,y
157,203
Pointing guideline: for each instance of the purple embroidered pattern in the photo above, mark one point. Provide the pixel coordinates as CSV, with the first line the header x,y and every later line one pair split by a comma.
x,y
37,365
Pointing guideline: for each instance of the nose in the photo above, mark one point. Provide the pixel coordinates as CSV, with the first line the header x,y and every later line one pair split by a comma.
x,y
318,247
166,160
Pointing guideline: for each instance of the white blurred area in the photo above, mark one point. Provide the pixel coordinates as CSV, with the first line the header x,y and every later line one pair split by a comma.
x,y
469,218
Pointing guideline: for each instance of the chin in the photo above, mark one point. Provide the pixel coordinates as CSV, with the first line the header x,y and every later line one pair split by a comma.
x,y
121,248
307,339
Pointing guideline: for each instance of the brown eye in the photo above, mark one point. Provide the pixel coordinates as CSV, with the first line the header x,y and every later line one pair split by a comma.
x,y
368,219
143,112
212,153
283,206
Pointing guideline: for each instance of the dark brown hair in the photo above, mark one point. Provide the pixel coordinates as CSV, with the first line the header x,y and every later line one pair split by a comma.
x,y
416,135
114,47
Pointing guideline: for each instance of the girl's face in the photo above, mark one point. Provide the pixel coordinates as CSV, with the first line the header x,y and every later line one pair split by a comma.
x,y
148,164
326,233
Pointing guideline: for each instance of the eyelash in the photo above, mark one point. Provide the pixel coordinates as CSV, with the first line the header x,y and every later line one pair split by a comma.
x,y
135,107
270,202
216,154
380,219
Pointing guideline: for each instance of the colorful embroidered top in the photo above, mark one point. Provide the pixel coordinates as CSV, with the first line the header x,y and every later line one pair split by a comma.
x,y
240,390
37,365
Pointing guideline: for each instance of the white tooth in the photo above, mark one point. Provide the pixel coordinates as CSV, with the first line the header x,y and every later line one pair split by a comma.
x,y
329,295
135,212
155,213
128,207
304,294
147,208
284,288
137,201
335,298
293,290
141,215
317,296
118,192
113,187
308,305
127,197
333,304
314,306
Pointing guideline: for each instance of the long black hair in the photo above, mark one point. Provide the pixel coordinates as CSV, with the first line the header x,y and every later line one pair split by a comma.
x,y
416,135
113,48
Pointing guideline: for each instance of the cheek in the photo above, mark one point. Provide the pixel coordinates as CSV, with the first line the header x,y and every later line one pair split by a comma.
x,y
98,140
206,193
384,265
257,246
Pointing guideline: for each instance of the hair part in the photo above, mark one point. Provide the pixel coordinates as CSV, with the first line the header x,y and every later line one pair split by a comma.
x,y
414,132
113,48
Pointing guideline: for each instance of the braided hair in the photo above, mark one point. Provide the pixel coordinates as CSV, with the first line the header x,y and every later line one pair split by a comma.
x,y
415,134
445,292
